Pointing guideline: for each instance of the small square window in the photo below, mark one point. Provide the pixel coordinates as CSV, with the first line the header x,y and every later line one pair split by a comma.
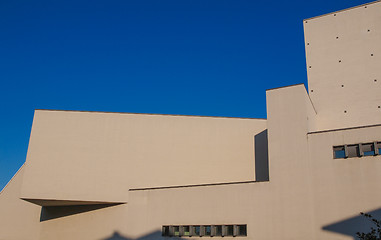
x,y
368,149
241,230
353,150
185,231
229,230
207,230
339,152
196,231
165,231
217,230
176,231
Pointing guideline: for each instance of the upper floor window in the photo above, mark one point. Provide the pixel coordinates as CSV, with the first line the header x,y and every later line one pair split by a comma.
x,y
339,152
368,149
357,150
353,150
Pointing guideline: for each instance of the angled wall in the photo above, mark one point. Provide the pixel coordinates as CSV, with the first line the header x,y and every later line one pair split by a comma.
x,y
19,220
93,157
343,53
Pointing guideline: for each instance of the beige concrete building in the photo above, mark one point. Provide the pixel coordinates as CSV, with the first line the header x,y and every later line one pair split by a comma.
x,y
305,172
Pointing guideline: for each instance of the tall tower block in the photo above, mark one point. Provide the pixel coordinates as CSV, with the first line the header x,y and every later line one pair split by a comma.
x,y
343,52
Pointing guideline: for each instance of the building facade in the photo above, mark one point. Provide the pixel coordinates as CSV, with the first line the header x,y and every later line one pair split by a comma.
x,y
305,172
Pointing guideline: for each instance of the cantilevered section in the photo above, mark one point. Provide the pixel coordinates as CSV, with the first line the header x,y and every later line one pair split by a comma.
x,y
49,202
95,157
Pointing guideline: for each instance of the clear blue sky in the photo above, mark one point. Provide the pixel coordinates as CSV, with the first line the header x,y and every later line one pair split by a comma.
x,y
193,57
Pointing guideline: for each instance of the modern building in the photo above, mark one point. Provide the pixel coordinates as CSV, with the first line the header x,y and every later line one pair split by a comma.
x,y
305,172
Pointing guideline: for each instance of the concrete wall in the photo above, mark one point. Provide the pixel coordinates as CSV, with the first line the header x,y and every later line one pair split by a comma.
x,y
90,222
19,220
343,54
93,156
310,195
288,110
342,188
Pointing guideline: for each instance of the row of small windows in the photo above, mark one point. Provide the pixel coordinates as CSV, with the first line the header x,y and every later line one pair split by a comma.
x,y
205,230
357,150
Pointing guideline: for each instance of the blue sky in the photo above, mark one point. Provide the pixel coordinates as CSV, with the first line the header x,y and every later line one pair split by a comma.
x,y
192,57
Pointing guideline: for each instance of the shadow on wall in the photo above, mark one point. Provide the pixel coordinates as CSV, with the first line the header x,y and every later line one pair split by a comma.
x,y
261,157
352,225
48,213
151,236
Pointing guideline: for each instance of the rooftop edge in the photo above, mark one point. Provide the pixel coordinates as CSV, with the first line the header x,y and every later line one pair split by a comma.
x,y
358,6
154,114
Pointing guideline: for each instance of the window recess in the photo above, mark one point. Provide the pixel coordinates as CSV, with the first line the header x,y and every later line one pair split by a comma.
x,y
217,230
196,230
185,231
357,150
339,152
165,231
353,150
367,149
229,230
241,230
233,230
206,230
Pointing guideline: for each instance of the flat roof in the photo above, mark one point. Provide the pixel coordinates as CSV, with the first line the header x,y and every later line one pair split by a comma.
x,y
362,5
154,114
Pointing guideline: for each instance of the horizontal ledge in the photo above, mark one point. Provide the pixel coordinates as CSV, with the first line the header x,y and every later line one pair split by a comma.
x,y
195,185
343,129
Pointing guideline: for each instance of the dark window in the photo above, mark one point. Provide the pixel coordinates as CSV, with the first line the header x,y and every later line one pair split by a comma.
x,y
339,152
195,230
165,231
217,230
357,150
185,231
379,147
176,231
368,149
207,230
241,230
204,230
229,230
353,150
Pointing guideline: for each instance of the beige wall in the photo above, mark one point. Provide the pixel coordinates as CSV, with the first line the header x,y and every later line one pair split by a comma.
x,y
288,110
308,190
343,187
19,220
93,156
85,223
286,207
344,36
